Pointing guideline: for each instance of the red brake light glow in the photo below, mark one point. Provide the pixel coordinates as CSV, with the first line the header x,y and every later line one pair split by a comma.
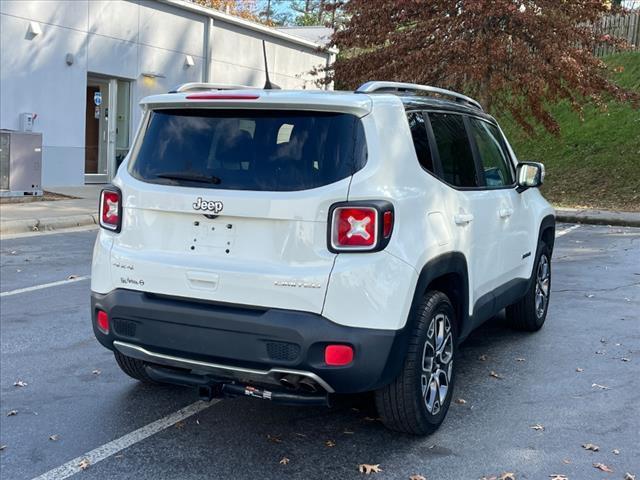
x,y
223,96
102,322
338,355
111,210
355,227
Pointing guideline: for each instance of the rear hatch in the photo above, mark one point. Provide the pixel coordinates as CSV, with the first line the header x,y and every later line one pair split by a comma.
x,y
231,205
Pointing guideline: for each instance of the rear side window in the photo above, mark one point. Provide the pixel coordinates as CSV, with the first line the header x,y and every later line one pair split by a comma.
x,y
420,139
497,171
249,149
454,150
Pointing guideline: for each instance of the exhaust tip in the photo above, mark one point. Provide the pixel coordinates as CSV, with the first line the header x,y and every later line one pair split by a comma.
x,y
308,385
290,382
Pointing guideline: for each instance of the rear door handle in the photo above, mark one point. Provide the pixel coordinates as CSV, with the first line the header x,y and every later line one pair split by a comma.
x,y
463,218
506,212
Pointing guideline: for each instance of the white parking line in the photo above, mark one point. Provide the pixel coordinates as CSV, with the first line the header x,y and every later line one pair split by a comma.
x,y
44,285
108,449
566,230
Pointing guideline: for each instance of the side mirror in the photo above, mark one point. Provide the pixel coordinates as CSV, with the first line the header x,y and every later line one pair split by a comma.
x,y
530,175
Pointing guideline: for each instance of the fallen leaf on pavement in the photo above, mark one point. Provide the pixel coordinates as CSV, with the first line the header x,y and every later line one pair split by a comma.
x,y
179,424
537,427
284,461
197,421
367,469
370,419
590,295
348,432
461,401
600,352
96,372
579,369
591,446
602,467
300,435
615,451
274,438
603,340
483,358
330,443
507,476
520,359
11,413
2,447
54,437
417,477
496,375
601,387
20,383
558,477
566,461
84,464
72,277
629,476
625,359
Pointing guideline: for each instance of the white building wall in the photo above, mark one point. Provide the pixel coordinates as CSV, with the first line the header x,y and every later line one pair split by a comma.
x,y
122,39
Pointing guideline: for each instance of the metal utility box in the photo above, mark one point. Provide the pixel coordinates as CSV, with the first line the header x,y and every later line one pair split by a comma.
x,y
20,163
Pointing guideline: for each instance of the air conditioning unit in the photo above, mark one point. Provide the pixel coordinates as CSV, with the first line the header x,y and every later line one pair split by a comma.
x,y
20,163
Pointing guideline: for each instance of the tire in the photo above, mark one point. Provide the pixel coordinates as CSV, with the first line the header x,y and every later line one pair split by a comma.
x,y
134,368
530,312
410,404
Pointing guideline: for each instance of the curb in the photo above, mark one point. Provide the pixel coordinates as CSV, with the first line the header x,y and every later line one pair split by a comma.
x,y
48,224
591,219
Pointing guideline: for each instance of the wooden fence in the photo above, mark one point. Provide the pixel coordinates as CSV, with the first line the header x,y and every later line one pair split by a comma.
x,y
621,26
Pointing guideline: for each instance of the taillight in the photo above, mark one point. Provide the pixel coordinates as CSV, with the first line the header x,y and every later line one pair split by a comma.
x,y
338,355
102,322
360,226
111,209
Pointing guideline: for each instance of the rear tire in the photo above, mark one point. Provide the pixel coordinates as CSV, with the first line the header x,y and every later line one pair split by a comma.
x,y
417,401
530,312
134,368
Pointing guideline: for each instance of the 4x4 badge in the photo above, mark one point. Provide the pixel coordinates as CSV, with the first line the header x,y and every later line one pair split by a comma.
x,y
214,206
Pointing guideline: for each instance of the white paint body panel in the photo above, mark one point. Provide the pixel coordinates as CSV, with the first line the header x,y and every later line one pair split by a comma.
x,y
278,240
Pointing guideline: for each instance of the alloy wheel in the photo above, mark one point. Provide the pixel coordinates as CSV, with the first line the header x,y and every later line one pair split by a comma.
x,y
543,283
437,363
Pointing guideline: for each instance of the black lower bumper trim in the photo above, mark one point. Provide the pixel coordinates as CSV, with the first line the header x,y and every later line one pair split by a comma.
x,y
250,339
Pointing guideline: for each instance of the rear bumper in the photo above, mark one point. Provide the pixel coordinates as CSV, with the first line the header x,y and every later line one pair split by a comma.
x,y
248,344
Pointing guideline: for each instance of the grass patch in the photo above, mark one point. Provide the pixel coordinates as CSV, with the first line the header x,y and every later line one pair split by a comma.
x,y
595,162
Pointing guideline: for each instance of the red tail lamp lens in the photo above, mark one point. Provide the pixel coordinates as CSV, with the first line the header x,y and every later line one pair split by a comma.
x,y
111,210
338,355
387,223
102,320
355,227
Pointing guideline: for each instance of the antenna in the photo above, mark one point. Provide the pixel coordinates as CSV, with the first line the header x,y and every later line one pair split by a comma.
x,y
267,85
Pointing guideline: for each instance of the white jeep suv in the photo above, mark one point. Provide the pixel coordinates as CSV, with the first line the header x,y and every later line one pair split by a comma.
x,y
295,245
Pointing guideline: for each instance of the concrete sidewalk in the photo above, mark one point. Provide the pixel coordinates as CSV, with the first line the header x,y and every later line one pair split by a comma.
x,y
83,211
52,215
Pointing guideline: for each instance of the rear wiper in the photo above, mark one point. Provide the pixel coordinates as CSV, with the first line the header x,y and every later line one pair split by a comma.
x,y
190,177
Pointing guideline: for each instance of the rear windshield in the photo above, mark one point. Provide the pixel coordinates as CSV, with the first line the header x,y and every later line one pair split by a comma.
x,y
249,150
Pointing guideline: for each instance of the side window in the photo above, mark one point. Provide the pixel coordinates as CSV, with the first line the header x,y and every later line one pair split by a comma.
x,y
497,171
420,140
454,149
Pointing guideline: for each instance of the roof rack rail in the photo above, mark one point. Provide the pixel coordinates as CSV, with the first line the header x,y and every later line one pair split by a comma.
x,y
198,86
386,87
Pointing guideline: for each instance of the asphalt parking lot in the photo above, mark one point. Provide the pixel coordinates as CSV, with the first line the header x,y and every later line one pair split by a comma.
x,y
576,382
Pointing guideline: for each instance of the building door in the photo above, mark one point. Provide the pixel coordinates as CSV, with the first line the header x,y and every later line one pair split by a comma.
x,y
106,128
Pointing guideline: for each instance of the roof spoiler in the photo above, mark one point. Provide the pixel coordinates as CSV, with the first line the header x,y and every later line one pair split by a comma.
x,y
198,86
